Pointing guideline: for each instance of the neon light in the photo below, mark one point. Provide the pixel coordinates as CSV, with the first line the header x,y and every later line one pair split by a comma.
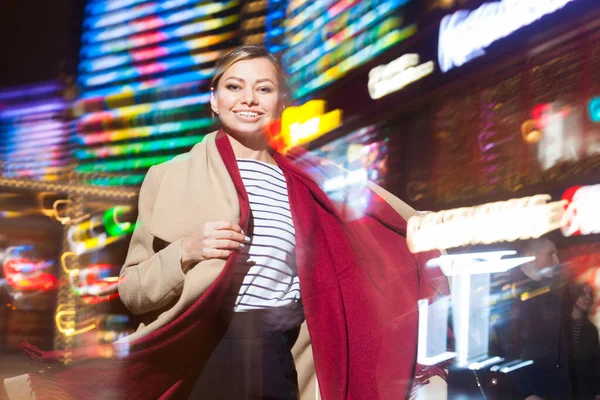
x,y
126,180
356,60
113,226
101,7
594,110
30,90
145,131
386,79
356,22
157,21
582,216
41,107
27,275
465,35
524,218
146,54
138,11
110,166
137,148
132,111
164,35
153,68
327,23
69,327
153,83
318,8
94,281
302,124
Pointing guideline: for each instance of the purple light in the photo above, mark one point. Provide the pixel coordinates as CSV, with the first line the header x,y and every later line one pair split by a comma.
x,y
29,90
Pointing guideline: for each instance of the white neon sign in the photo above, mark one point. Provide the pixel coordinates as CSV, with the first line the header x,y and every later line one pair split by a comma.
x,y
464,35
386,79
503,221
582,216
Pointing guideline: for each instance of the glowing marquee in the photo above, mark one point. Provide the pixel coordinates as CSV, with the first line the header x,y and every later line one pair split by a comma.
x,y
465,34
386,79
302,124
503,221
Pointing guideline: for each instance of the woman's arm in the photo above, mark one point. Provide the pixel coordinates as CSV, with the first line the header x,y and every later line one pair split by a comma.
x,y
150,280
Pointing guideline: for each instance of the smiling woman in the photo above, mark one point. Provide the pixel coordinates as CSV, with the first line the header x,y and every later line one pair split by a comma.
x,y
238,255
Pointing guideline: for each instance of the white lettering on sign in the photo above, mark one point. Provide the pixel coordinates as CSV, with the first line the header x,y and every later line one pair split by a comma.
x,y
503,221
582,216
464,35
386,79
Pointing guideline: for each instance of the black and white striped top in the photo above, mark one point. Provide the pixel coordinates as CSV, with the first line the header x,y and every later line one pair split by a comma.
x,y
267,267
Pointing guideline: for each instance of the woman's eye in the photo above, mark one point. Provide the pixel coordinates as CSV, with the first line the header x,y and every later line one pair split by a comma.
x,y
265,90
232,86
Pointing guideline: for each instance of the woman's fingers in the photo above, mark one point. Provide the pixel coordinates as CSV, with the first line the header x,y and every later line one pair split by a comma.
x,y
230,235
220,225
225,244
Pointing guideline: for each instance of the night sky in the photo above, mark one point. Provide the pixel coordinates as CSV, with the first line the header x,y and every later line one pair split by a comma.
x,y
39,39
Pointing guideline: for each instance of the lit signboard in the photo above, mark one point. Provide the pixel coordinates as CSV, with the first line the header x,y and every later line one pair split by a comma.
x,y
386,79
464,35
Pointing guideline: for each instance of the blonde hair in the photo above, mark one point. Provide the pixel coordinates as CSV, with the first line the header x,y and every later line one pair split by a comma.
x,y
251,52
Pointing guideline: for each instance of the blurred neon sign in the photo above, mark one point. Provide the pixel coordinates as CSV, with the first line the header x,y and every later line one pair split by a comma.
x,y
515,219
386,79
304,123
464,35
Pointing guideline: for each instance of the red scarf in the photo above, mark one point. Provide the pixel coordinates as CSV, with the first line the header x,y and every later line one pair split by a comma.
x,y
360,287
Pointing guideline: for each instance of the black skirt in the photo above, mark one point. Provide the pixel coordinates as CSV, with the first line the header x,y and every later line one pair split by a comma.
x,y
251,361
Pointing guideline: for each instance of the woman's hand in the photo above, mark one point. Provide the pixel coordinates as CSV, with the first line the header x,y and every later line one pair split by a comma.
x,y
215,240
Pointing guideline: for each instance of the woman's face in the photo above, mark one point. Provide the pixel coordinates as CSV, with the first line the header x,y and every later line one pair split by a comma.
x,y
247,98
586,300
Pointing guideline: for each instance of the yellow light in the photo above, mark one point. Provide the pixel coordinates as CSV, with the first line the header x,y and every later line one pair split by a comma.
x,y
307,122
69,328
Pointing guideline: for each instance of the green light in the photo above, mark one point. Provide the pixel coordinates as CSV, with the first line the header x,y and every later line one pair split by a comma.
x,y
137,148
124,165
112,224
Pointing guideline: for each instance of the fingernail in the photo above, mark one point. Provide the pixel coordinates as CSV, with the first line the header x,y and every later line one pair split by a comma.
x,y
247,239
242,245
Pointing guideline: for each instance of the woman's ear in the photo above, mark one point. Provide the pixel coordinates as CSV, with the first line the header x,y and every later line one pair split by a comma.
x,y
214,103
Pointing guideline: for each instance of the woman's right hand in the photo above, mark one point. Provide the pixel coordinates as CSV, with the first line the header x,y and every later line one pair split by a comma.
x,y
215,240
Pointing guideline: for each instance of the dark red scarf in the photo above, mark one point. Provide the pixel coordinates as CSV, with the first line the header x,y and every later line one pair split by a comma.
x,y
360,287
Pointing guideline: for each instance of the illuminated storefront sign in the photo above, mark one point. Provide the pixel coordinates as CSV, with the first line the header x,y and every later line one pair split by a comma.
x,y
582,216
304,123
464,35
386,79
503,221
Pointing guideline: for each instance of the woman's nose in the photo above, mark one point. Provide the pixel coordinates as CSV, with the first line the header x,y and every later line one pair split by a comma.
x,y
248,97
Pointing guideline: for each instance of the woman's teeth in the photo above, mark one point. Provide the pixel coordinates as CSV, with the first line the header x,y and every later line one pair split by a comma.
x,y
248,114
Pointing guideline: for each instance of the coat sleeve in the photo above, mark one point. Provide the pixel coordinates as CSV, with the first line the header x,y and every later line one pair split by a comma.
x,y
150,280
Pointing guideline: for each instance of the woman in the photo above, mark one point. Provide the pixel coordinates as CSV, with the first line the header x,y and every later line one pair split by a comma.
x,y
583,345
235,247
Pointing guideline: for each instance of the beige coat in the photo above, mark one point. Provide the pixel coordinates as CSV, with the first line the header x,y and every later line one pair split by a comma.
x,y
175,199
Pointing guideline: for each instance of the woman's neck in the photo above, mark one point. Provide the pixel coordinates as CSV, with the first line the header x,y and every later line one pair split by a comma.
x,y
258,152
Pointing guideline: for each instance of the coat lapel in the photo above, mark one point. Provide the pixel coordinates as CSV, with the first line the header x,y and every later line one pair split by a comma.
x,y
195,188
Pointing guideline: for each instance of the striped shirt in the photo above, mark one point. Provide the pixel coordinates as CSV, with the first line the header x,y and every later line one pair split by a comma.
x,y
267,268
